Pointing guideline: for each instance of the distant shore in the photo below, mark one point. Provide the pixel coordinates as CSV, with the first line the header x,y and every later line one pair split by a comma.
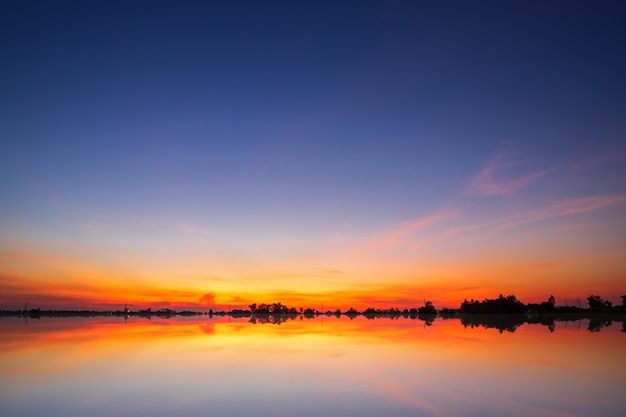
x,y
508,306
504,323
369,313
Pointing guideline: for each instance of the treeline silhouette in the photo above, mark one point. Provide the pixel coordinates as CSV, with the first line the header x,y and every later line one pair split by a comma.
x,y
36,313
505,313
511,305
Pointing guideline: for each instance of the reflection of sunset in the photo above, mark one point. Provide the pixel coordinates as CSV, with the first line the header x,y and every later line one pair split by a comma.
x,y
428,368
93,337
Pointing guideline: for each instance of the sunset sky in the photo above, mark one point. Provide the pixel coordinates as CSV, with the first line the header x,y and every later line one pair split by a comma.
x,y
370,153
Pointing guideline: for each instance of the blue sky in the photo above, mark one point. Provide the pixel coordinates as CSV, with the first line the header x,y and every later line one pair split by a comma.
x,y
249,130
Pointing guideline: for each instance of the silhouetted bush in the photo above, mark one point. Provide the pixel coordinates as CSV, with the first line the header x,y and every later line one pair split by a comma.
x,y
501,305
596,303
428,308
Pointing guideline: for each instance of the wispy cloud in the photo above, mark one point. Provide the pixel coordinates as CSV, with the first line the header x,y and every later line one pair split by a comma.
x,y
450,224
399,236
145,223
478,231
406,231
564,208
492,179
539,265
31,257
189,228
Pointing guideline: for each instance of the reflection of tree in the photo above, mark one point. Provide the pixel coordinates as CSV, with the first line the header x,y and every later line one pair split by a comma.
x,y
427,318
392,313
207,328
548,321
237,313
351,313
275,313
34,313
508,323
596,324
271,319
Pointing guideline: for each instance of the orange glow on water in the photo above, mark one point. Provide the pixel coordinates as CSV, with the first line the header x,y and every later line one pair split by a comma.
x,y
94,334
427,368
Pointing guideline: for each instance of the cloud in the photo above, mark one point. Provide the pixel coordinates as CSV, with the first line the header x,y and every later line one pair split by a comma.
x,y
95,227
540,265
564,208
479,231
404,232
489,181
207,299
581,205
188,228
31,257
145,224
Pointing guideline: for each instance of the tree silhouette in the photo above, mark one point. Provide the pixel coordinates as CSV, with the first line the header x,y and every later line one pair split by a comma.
x,y
544,307
428,308
351,313
552,301
596,303
501,305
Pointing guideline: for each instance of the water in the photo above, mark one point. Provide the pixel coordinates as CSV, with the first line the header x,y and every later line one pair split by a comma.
x,y
317,367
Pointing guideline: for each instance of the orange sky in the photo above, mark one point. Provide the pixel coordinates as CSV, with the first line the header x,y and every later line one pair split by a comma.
x,y
570,256
370,275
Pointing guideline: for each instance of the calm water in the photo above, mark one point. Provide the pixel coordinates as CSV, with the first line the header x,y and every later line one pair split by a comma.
x,y
318,367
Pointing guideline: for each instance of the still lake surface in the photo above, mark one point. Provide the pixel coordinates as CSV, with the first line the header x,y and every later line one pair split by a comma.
x,y
311,367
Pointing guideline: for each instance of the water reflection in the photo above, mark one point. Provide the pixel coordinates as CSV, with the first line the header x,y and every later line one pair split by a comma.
x,y
311,367
510,323
501,322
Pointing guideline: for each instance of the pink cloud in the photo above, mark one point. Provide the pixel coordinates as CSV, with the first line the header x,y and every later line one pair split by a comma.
x,y
404,232
189,228
207,299
145,223
486,183
478,231
565,208
581,205
31,257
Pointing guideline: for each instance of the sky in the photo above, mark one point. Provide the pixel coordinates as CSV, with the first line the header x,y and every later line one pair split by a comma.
x,y
335,153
